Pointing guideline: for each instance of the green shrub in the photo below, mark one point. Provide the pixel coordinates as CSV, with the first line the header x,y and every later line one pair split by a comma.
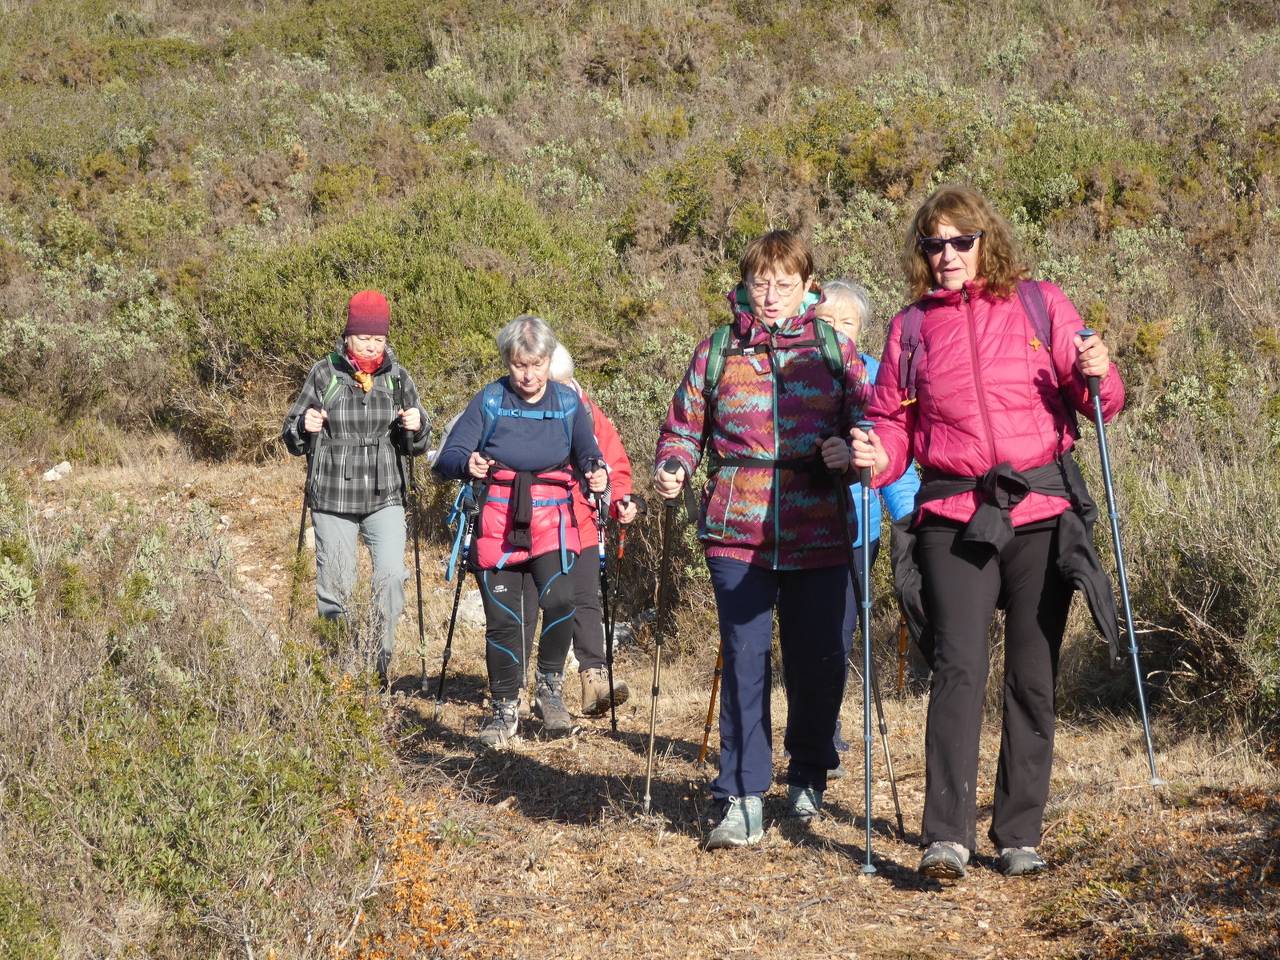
x,y
456,261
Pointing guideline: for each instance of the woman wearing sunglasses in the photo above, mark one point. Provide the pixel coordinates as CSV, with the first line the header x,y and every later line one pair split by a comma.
x,y
980,382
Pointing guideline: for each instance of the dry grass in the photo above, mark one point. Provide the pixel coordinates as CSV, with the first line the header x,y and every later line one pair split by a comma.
x,y
543,851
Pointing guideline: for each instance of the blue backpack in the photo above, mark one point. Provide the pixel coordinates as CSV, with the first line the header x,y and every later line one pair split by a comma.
x,y
491,409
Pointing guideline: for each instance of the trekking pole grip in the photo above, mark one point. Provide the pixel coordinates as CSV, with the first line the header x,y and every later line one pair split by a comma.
x,y
1086,333
864,473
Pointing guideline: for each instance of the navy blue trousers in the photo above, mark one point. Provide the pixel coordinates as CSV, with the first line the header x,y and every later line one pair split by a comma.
x,y
811,610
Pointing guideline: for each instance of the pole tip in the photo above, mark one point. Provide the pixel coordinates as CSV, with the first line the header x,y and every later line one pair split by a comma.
x,y
1157,782
868,869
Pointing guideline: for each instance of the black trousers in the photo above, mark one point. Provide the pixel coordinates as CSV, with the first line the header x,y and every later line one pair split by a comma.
x,y
588,621
963,584
506,615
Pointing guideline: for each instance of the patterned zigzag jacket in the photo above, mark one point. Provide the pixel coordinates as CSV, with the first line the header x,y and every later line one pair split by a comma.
x,y
776,403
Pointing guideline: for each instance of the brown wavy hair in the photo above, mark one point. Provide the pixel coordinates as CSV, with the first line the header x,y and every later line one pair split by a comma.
x,y
999,262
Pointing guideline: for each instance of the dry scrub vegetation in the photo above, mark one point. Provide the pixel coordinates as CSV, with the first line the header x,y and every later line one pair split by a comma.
x,y
188,191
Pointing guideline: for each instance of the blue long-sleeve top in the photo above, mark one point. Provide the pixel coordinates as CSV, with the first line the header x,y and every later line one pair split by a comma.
x,y
518,442
899,496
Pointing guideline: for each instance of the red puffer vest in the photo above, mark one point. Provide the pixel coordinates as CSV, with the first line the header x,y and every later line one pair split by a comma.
x,y
551,521
987,391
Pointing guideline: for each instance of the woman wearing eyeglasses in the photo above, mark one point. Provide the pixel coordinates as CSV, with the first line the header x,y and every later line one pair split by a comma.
x,y
986,404
771,426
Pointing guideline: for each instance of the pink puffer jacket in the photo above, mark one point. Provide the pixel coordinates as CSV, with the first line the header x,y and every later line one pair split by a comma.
x,y
985,394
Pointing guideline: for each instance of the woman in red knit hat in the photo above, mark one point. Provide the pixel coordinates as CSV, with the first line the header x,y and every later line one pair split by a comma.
x,y
358,412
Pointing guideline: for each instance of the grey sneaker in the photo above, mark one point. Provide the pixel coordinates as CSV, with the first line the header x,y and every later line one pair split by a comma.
x,y
548,704
500,729
944,860
839,773
741,824
1018,861
803,803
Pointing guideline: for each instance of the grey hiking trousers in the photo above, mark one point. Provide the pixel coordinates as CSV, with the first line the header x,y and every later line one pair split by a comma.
x,y
384,533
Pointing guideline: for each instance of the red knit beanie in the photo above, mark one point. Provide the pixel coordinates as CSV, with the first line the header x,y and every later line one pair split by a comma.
x,y
369,314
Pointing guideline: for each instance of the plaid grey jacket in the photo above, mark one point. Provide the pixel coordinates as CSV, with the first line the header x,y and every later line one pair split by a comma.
x,y
357,467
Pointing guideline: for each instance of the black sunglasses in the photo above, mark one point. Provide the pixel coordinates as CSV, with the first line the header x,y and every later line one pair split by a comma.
x,y
931,246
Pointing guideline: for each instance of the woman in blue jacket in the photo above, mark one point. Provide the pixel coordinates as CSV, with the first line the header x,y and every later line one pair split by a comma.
x,y
846,306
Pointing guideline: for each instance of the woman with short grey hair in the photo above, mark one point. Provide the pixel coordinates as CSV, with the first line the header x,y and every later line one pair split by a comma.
x,y
526,334
522,437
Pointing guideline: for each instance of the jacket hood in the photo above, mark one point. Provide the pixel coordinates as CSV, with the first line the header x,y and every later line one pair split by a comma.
x,y
744,319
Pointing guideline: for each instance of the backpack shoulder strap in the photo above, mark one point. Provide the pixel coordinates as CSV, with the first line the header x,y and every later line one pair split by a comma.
x,y
1031,295
715,360
909,344
830,350
490,410
334,384
569,404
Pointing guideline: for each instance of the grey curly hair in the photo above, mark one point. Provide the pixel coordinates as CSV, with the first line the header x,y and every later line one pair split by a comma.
x,y
527,335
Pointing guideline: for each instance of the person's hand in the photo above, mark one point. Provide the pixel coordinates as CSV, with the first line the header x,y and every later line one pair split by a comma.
x,y
868,451
478,466
835,454
597,479
627,511
313,420
1092,359
668,484
410,419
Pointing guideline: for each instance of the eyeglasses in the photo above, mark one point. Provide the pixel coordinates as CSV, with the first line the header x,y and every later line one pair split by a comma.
x,y
932,246
783,287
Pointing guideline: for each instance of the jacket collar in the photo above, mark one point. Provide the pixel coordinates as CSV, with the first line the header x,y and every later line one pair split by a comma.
x,y
751,329
940,295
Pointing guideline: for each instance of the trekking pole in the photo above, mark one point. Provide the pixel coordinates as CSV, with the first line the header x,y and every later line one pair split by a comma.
x,y
711,703
602,520
902,653
417,536
1105,457
868,662
302,524
610,611
470,509
665,587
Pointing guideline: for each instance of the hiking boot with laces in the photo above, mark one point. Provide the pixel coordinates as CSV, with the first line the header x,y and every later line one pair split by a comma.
x,y
803,803
944,860
595,691
1019,861
548,704
500,729
741,824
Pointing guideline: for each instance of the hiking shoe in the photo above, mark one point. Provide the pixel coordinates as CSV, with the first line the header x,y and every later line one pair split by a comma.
x,y
803,803
944,860
741,824
595,691
1019,861
548,704
839,773
500,729
522,704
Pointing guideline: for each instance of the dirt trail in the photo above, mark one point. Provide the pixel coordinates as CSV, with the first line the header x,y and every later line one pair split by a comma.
x,y
547,846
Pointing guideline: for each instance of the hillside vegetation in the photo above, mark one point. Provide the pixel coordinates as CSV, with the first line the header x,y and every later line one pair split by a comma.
x,y
189,191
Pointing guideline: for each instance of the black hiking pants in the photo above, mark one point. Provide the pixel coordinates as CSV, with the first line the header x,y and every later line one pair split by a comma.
x,y
506,616
588,621
963,584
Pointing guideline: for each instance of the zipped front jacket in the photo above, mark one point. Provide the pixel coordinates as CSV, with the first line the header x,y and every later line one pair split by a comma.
x,y
987,392
774,402
356,468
